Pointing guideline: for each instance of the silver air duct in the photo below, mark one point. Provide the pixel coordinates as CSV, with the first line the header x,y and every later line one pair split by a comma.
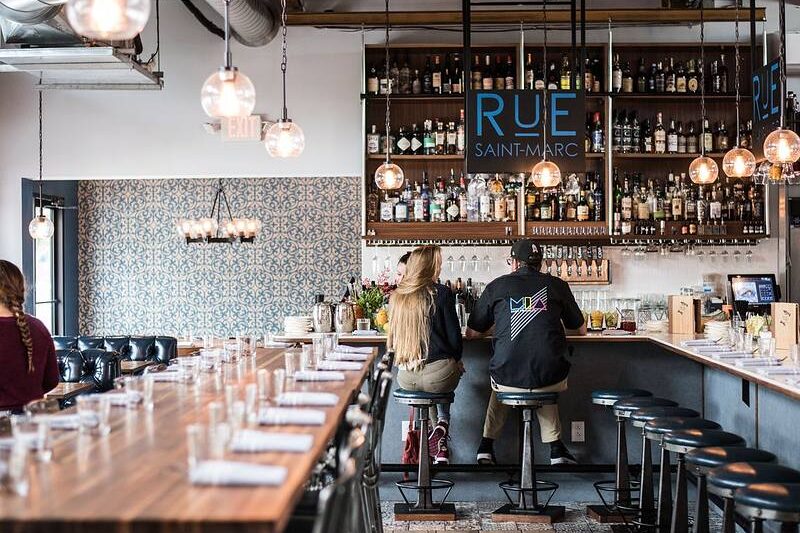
x,y
30,11
253,22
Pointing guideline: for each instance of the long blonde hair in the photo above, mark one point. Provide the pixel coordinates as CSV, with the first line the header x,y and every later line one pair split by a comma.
x,y
411,306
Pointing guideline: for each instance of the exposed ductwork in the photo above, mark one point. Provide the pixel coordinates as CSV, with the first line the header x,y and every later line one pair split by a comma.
x,y
30,11
253,22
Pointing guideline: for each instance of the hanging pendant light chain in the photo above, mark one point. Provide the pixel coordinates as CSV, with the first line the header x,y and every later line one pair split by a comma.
x,y
736,82
703,78
782,34
41,156
544,68
388,87
283,56
228,55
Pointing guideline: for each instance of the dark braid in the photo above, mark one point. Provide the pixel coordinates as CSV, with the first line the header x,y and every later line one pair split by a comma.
x,y
12,295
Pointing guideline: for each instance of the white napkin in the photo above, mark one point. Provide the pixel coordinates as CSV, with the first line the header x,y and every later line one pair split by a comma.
x,y
346,356
122,398
339,365
185,344
251,440
275,344
318,375
699,342
365,333
282,416
780,371
166,376
715,348
59,421
354,349
730,355
308,398
236,474
759,361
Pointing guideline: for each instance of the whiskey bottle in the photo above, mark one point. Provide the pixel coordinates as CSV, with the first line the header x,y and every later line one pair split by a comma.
x,y
509,81
571,210
641,77
405,78
681,139
651,78
692,143
672,138
680,78
372,80
588,76
627,78
460,134
646,138
373,141
616,75
530,73
659,136
708,137
487,82
597,75
451,139
670,78
499,74
436,76
477,74
692,79
722,141
457,78
661,78
427,77
447,77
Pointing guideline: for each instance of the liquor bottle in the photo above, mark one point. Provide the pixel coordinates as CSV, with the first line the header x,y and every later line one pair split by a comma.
x,y
373,141
692,79
641,77
659,136
715,205
716,81
440,138
416,83
427,77
439,201
599,205
436,76
552,77
597,134
477,74
661,78
545,207
372,80
447,80
487,82
616,131
460,134
531,202
722,141
571,209
485,205
644,206
651,78
670,78
451,138
530,73
627,78
636,132
387,208
416,140
428,139
373,209
401,210
722,72
588,76
394,78
418,208
509,81
425,195
690,204
597,75
626,201
692,143
681,139
566,73
451,206
463,203
477,185
680,78
627,134
403,142
616,75
498,199
405,78
499,74
677,202
708,137
539,77
457,76
383,81
647,138
672,138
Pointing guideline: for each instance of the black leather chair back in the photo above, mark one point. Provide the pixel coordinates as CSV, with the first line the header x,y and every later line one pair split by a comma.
x,y
87,342
142,348
118,344
159,349
96,367
65,343
70,365
166,349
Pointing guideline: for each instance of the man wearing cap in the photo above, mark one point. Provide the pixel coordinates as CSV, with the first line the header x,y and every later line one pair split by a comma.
x,y
528,312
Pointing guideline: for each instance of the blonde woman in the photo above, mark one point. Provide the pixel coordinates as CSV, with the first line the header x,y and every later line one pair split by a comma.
x,y
425,335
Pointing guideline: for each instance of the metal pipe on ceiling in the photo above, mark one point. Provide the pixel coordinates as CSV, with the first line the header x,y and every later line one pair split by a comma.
x,y
30,11
253,22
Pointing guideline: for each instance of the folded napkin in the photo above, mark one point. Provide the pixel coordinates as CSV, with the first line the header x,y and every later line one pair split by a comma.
x,y
346,356
730,355
251,440
122,398
282,416
780,371
339,365
759,361
166,376
275,344
185,344
699,342
235,473
59,421
308,398
365,333
715,348
354,349
318,375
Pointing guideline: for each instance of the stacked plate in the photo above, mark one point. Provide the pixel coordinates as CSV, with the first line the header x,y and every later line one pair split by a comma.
x,y
657,326
298,325
717,330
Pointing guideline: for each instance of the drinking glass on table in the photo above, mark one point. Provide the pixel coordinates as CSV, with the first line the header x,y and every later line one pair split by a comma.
x,y
14,468
318,345
252,345
262,381
209,360
251,402
232,351
94,412
189,368
291,358
133,392
197,445
208,341
278,382
331,342
766,346
307,360
35,436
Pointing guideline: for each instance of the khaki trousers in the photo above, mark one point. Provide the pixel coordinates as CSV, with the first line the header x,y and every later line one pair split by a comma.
x,y
438,376
549,422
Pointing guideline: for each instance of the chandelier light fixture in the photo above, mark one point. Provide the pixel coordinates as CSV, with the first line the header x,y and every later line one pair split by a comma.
x,y
388,176
217,229
284,138
739,162
108,20
41,227
703,170
228,92
545,173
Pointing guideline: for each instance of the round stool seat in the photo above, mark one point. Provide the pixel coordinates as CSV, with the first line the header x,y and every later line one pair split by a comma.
x,y
624,408
612,396
683,440
415,397
724,480
715,456
657,428
770,501
527,399
644,415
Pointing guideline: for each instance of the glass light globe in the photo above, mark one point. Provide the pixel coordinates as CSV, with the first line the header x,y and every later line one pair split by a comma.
x,y
782,146
41,227
739,163
389,176
285,139
185,227
229,229
703,170
546,174
108,20
228,93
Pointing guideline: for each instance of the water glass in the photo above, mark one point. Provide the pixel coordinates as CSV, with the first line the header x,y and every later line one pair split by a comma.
x,y
208,341
231,396
331,342
318,345
307,361
267,343
133,392
216,414
747,345
232,351
189,369
197,444
262,381
794,354
766,346
14,469
236,415
290,361
278,382
209,360
94,411
362,324
251,402
252,344
35,436
147,382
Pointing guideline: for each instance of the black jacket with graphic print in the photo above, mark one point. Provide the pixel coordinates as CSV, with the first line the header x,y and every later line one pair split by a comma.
x,y
527,309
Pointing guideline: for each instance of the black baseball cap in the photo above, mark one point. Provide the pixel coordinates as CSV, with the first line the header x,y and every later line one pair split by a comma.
x,y
525,251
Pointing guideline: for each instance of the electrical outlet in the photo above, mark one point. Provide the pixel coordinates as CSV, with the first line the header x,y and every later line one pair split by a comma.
x,y
404,430
578,431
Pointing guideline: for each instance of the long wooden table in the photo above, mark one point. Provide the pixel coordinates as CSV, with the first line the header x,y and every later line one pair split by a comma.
x,y
135,479
65,390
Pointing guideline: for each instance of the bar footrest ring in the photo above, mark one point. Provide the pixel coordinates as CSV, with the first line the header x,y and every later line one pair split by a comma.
x,y
438,511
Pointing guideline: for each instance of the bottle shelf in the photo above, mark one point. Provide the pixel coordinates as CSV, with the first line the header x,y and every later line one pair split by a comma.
x,y
548,230
675,97
617,155
726,231
441,231
414,97
418,157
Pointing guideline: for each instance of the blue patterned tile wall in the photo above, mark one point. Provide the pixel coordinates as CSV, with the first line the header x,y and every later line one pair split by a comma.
x,y
137,275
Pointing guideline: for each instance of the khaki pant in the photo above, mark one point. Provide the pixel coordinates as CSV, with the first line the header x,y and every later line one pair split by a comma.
x,y
438,376
549,422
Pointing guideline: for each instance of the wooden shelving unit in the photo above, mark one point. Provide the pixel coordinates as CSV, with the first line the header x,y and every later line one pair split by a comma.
x,y
454,231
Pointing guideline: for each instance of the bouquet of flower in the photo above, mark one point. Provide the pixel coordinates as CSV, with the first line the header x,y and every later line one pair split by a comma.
x,y
373,298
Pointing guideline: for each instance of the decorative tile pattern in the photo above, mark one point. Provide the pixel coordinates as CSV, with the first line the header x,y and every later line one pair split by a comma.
x,y
137,276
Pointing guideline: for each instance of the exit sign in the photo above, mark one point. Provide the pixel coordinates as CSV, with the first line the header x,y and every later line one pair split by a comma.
x,y
241,129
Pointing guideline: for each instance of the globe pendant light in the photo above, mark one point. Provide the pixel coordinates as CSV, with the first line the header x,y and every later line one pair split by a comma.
x,y
782,145
108,20
228,92
703,170
545,174
284,138
388,176
738,162
41,227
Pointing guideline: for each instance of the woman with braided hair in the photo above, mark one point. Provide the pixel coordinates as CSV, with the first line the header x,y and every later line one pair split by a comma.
x,y
27,354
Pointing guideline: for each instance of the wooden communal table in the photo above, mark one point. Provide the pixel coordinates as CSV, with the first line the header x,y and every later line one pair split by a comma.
x,y
132,367
65,391
135,479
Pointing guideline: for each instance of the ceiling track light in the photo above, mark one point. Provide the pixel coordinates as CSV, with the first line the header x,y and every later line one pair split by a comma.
x,y
388,176
108,20
545,174
703,170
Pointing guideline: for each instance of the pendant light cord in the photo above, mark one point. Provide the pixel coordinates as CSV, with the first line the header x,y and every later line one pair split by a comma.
x,y
703,78
228,55
283,57
41,157
782,34
736,82
544,69
388,86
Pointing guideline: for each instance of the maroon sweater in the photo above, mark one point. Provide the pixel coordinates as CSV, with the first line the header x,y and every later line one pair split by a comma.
x,y
17,386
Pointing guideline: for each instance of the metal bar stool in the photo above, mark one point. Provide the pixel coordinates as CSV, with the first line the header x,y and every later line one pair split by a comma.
x,y
701,460
655,430
425,508
647,503
527,507
779,502
725,480
680,443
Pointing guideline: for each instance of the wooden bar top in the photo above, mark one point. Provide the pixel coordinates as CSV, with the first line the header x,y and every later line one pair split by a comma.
x,y
132,367
135,478
65,391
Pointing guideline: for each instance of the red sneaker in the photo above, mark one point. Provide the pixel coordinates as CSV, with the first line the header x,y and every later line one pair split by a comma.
x,y
442,456
437,443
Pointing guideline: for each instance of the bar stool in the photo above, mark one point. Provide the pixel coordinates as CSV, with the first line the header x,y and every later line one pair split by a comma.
x,y
425,508
723,481
527,508
621,485
639,418
655,430
680,443
701,460
779,502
